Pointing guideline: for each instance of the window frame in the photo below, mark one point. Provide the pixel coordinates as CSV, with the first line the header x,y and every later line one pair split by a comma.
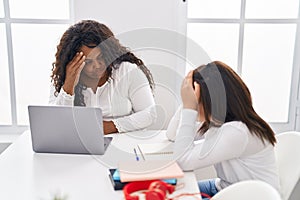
x,y
293,122
15,128
294,105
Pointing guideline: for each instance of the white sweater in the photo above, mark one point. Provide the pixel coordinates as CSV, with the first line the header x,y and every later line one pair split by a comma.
x,y
235,153
126,99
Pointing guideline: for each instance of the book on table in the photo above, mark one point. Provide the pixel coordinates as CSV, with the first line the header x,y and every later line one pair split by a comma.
x,y
149,170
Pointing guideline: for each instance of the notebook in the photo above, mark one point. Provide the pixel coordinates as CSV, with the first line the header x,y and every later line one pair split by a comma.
x,y
66,129
163,150
149,170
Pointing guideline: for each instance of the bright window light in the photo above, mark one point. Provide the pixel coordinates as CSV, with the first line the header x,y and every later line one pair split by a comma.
x,y
272,9
220,41
5,106
37,9
214,9
1,9
267,68
34,52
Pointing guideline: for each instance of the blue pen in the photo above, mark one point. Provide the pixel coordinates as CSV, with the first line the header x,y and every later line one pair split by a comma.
x,y
136,156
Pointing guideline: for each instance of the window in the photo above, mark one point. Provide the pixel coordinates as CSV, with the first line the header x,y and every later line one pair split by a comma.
x,y
35,9
5,116
212,36
258,39
214,9
32,63
1,10
267,53
272,9
29,33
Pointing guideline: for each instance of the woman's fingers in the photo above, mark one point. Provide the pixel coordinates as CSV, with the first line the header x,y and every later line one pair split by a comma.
x,y
73,67
187,81
188,96
189,78
73,71
78,73
79,65
75,62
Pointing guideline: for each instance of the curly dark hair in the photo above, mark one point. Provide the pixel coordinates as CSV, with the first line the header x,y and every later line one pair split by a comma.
x,y
92,34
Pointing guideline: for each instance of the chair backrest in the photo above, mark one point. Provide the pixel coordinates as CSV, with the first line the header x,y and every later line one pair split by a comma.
x,y
166,95
287,153
248,190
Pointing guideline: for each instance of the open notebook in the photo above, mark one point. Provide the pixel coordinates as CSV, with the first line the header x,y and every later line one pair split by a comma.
x,y
158,150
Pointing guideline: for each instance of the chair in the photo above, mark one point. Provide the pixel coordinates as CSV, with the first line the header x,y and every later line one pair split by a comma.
x,y
248,190
287,153
166,95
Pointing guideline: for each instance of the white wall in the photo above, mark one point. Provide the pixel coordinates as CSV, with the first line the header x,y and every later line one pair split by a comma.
x,y
159,48
128,15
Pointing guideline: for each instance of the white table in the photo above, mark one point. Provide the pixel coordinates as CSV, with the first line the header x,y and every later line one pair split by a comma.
x,y
33,176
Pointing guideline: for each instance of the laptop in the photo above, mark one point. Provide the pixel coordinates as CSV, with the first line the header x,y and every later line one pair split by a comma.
x,y
66,129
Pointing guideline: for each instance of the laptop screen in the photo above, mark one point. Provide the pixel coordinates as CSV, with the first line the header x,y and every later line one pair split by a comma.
x,y
66,129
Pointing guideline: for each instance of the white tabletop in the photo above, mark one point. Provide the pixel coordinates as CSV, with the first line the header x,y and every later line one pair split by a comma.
x,y
28,175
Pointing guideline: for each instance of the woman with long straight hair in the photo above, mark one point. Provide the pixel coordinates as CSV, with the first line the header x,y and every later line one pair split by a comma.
x,y
217,111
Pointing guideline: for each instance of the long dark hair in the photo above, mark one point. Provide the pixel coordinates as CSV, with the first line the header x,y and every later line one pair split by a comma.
x,y
225,98
90,32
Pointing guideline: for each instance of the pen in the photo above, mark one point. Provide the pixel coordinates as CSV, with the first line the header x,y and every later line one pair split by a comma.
x,y
136,156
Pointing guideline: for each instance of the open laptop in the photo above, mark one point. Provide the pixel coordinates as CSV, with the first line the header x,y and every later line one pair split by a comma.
x,y
66,129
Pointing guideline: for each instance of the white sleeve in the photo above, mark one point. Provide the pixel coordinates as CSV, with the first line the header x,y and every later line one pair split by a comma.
x,y
141,98
173,125
62,98
230,143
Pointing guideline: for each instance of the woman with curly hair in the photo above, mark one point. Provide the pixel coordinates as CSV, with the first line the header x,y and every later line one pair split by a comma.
x,y
93,69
